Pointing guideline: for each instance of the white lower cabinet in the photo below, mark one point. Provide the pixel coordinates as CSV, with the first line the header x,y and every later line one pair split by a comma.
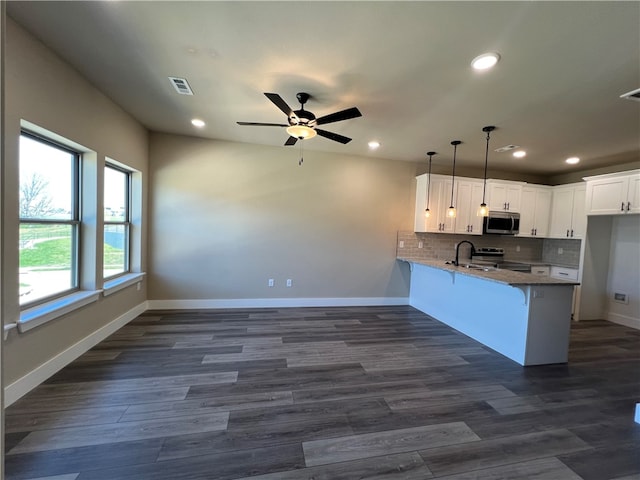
x,y
541,270
564,273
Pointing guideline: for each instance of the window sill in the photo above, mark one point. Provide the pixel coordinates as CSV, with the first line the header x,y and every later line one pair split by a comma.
x,y
41,314
123,281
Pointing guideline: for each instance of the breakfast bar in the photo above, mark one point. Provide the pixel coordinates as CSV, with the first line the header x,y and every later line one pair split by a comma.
x,y
522,316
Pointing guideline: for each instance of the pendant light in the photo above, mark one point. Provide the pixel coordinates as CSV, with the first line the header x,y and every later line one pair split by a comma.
x,y
483,211
451,211
427,212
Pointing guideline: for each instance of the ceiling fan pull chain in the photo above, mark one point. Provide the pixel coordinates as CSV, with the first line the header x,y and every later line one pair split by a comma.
x,y
301,159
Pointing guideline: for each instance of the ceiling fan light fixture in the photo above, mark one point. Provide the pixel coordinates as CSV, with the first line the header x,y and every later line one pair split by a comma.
x,y
485,61
374,144
572,160
301,132
519,154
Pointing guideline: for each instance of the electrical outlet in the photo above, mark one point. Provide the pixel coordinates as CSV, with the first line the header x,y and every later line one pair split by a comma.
x,y
289,282
138,286
401,244
271,282
560,251
420,244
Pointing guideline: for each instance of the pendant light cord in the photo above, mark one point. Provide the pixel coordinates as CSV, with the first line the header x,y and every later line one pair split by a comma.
x,y
486,159
455,144
431,154
487,129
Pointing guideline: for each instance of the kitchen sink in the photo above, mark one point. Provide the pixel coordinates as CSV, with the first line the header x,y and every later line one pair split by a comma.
x,y
473,266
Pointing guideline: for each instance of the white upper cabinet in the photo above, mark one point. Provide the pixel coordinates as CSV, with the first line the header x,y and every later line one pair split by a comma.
x,y
504,195
613,194
420,221
568,217
468,200
535,211
439,200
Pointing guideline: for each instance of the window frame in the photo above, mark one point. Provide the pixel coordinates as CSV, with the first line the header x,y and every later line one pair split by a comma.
x,y
75,221
127,222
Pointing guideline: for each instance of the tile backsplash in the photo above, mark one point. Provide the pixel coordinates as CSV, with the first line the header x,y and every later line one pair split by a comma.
x,y
439,246
570,248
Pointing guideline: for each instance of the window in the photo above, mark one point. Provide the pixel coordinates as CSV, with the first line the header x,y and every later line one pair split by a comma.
x,y
117,221
49,219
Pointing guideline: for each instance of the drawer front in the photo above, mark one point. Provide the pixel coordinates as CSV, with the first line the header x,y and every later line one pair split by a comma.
x,y
542,271
564,273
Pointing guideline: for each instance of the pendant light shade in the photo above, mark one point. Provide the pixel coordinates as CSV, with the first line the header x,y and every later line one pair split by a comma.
x,y
427,212
451,211
483,210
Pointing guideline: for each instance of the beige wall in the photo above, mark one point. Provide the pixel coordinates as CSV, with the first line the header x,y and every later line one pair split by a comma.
x,y
43,90
226,217
624,270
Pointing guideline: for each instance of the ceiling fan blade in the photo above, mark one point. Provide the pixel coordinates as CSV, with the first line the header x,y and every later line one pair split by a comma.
x,y
352,112
280,103
333,136
263,124
291,141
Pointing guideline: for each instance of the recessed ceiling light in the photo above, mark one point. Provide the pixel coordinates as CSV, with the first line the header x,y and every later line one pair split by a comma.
x,y
485,61
572,160
196,122
373,144
520,154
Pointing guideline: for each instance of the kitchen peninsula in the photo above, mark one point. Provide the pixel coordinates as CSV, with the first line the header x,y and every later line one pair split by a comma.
x,y
522,316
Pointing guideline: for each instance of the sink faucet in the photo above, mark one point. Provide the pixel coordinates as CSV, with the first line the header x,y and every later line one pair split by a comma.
x,y
473,250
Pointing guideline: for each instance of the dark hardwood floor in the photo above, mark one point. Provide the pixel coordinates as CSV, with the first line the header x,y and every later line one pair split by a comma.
x,y
328,393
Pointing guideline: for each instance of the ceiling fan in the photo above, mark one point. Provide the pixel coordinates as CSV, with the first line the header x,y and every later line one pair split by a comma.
x,y
302,123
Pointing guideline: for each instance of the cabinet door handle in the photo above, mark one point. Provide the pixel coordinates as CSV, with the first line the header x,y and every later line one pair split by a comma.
x,y
622,207
628,206
563,273
572,232
508,204
567,233
535,231
471,228
504,206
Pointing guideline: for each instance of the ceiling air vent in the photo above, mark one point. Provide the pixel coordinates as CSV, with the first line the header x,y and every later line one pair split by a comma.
x,y
181,85
632,95
506,148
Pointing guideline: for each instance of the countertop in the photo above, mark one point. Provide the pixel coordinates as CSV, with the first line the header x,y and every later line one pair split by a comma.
x,y
507,277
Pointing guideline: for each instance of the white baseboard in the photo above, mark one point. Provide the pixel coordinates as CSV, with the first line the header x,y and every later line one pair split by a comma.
x,y
624,320
276,303
34,378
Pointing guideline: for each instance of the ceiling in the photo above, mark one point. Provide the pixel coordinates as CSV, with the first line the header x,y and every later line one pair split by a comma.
x,y
405,65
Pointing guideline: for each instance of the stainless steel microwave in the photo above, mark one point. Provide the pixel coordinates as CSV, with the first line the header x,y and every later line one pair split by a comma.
x,y
502,223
